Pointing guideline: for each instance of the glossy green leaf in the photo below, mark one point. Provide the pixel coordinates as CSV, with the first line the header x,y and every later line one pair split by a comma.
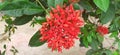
x,y
84,30
114,34
85,42
58,2
22,20
115,53
35,40
108,16
51,3
76,6
86,5
40,20
89,38
16,9
102,4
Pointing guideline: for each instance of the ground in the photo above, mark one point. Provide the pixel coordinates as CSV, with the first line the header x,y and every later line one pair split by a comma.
x,y
22,35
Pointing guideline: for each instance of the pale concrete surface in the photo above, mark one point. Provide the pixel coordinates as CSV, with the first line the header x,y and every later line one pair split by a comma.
x,y
21,37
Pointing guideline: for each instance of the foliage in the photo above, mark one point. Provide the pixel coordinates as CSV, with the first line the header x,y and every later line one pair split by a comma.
x,y
103,12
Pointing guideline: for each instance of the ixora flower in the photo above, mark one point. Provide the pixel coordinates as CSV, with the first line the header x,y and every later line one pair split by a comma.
x,y
62,27
102,30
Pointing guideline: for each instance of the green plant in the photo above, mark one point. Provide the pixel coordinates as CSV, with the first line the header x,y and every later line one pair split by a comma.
x,y
95,13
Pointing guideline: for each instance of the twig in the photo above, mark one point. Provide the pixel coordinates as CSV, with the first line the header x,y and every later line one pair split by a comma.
x,y
42,6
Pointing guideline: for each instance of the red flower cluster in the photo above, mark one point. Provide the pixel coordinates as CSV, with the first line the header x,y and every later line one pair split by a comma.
x,y
62,27
102,30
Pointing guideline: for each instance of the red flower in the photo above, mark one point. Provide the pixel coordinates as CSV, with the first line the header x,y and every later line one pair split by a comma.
x,y
102,30
62,27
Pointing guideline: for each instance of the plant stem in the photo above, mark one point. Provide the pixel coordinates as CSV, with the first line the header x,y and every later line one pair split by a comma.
x,y
42,6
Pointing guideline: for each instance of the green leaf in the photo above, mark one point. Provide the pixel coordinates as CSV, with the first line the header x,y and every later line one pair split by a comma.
x,y
115,53
86,5
114,34
89,38
9,21
108,16
85,42
94,45
58,2
100,38
51,3
102,4
16,9
40,20
35,40
119,45
84,30
106,52
117,22
22,20
90,52
76,6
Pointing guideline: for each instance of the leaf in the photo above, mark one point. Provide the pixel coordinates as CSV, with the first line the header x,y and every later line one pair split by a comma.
x,y
119,45
9,21
86,5
90,52
40,20
106,52
58,2
115,25
85,42
114,34
51,3
16,9
35,41
3,4
94,45
84,30
117,22
102,4
100,38
22,20
76,6
89,38
108,16
115,53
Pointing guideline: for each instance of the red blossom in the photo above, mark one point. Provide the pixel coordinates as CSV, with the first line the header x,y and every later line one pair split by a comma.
x,y
62,27
102,30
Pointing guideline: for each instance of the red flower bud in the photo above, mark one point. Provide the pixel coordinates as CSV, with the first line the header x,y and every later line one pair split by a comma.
x,y
102,30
